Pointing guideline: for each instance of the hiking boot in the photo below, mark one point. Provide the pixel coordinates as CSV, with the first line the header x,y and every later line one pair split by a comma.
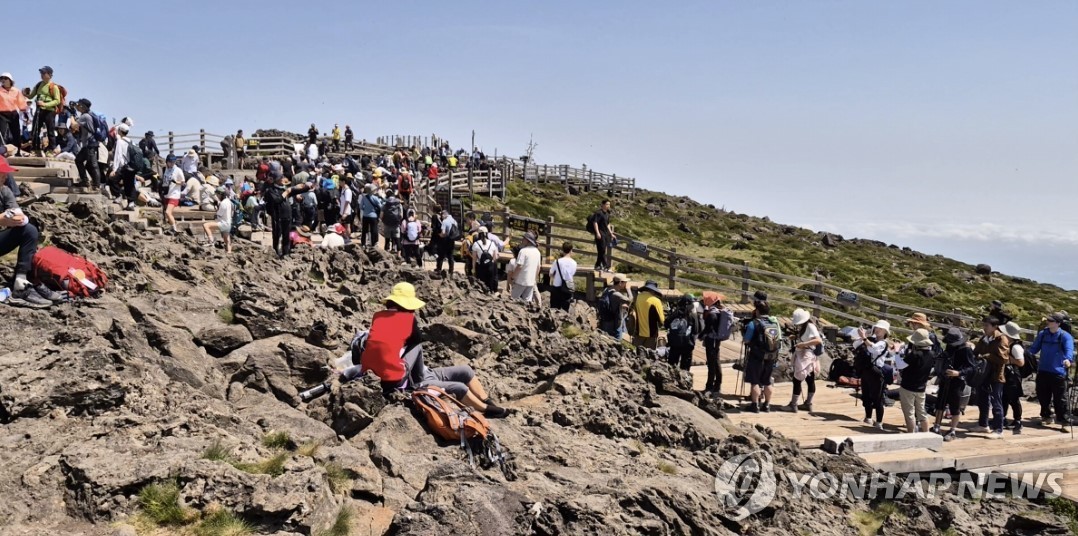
x,y
29,298
951,436
868,421
791,407
1017,430
1047,421
494,412
51,295
765,408
752,408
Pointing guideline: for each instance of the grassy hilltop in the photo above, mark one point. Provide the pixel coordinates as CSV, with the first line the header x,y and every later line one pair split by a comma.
x,y
864,266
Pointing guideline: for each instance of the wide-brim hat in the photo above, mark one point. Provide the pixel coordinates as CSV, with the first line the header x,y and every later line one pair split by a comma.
x,y
336,228
212,180
403,294
920,338
711,298
652,286
9,77
800,316
530,237
1011,330
304,231
918,318
621,278
884,325
955,337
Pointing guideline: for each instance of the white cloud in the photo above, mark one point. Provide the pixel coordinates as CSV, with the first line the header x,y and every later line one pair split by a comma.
x,y
979,232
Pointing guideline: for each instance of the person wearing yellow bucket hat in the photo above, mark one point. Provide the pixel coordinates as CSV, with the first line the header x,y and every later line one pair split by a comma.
x,y
394,352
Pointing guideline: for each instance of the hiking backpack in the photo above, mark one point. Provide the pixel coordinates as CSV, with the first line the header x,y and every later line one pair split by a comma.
x,y
412,230
63,95
392,212
450,420
136,159
101,127
407,184
981,368
607,311
680,333
454,232
61,270
722,326
767,339
486,259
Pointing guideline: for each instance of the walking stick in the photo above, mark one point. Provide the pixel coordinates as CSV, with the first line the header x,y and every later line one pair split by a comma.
x,y
740,367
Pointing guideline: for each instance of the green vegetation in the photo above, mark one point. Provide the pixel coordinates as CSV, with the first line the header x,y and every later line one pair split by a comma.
x,y
309,449
273,466
570,331
869,522
340,479
217,452
868,268
221,522
668,468
1067,510
497,347
160,504
226,315
277,440
317,276
342,526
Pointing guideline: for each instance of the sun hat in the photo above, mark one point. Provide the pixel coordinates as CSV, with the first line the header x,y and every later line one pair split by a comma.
x,y
337,228
918,318
189,151
954,337
530,237
5,167
122,127
304,231
9,77
1011,330
800,316
884,325
212,180
483,229
403,294
652,287
920,338
621,278
711,298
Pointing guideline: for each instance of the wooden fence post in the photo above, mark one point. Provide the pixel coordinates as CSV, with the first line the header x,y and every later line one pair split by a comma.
x,y
745,276
505,226
673,268
884,306
550,229
171,142
817,300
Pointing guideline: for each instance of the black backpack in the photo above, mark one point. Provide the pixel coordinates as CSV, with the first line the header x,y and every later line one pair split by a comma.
x,y
136,160
863,363
486,260
607,311
454,232
590,226
392,212
1029,366
981,368
680,334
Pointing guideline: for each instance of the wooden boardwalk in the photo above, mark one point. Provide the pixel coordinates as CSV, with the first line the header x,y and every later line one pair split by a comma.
x,y
837,414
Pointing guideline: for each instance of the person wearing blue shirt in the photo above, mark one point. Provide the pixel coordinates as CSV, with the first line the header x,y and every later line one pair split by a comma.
x,y
447,237
370,206
1056,350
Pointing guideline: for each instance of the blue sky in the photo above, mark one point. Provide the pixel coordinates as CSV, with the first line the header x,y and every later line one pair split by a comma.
x,y
951,127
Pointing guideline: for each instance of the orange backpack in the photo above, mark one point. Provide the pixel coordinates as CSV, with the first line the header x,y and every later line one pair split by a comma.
x,y
449,419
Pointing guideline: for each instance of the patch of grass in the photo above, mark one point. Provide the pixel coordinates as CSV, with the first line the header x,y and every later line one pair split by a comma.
x,y
277,440
160,504
586,397
317,277
949,531
217,452
1067,510
340,479
309,449
497,347
226,315
668,468
220,522
571,331
449,310
273,466
869,522
225,288
342,526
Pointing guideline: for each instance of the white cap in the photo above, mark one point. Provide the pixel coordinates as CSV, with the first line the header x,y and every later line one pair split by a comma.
x,y
884,325
8,76
122,127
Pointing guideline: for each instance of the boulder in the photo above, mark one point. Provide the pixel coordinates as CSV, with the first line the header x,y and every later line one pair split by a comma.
x,y
245,231
983,269
831,240
220,340
930,290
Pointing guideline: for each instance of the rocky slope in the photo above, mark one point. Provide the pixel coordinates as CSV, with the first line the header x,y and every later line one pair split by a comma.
x,y
186,372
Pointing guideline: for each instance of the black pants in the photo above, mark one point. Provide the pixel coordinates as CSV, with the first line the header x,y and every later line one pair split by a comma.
x,y
680,356
445,253
561,298
810,380
86,163
282,242
348,144
872,395
370,231
128,180
488,275
46,118
9,129
1052,391
990,395
602,250
1012,400
411,251
714,370
25,239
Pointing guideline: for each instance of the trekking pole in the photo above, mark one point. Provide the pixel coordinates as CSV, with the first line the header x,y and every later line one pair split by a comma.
x,y
740,367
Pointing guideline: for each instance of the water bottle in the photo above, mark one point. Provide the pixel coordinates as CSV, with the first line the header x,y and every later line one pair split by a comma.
x,y
314,392
5,293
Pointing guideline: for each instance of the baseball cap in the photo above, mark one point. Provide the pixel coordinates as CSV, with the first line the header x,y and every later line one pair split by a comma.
x,y
1055,318
45,69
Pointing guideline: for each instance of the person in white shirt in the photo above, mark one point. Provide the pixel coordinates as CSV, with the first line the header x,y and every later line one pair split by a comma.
x,y
223,222
561,279
312,153
173,177
806,365
345,203
871,353
190,163
119,160
334,237
525,271
484,254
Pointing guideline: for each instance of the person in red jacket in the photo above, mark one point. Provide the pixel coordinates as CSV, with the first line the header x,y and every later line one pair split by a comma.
x,y
394,352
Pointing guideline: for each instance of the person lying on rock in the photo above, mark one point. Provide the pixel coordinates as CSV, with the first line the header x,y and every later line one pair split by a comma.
x,y
394,353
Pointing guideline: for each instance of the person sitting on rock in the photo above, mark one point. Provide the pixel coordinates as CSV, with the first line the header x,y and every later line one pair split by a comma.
x,y
394,353
16,232
334,237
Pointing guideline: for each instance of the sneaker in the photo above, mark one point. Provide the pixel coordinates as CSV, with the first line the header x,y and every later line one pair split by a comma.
x,y
935,429
131,205
765,408
868,421
983,429
996,435
878,426
752,408
951,436
51,295
1065,427
29,298
1047,421
1017,430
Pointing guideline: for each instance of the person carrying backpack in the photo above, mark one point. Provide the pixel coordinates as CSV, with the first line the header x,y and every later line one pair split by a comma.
x,y
614,303
1012,375
806,364
1055,348
561,279
448,234
916,365
869,354
650,317
718,325
763,342
682,327
392,216
411,233
484,256
599,227
995,348
49,98
86,159
370,206
280,213
958,369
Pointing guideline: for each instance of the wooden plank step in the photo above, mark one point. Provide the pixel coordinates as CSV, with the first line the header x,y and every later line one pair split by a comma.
x,y
31,172
909,461
50,180
1016,454
28,161
869,443
184,213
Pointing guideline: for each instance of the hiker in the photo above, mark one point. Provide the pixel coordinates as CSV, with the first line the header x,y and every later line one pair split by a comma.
x,y
405,186
920,321
806,363
1055,348
411,233
334,237
996,309
648,311
16,232
241,148
392,216
280,213
470,229
561,274
312,136
394,352
683,326
149,146
346,203
66,144
49,100
448,234
223,222
172,181
614,306
1012,385
870,352
995,348
190,163
13,106
124,168
524,269
763,340
916,366
370,206
484,256
336,138
599,225
955,368
718,325
349,136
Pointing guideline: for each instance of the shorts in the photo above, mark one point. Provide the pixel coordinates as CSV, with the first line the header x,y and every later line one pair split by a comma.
x,y
225,228
958,394
759,372
522,293
172,202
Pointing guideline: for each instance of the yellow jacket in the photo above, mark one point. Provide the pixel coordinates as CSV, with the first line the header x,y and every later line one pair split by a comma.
x,y
645,301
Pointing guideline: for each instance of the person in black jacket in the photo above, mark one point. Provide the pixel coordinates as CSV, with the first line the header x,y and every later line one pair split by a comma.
x,y
957,369
918,360
280,213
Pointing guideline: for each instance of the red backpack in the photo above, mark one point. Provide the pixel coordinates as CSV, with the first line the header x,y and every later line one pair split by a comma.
x,y
61,270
